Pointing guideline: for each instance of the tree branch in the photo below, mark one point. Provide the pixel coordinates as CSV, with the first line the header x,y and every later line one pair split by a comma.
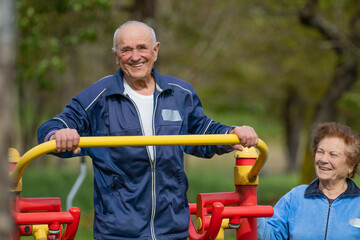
x,y
309,17
345,47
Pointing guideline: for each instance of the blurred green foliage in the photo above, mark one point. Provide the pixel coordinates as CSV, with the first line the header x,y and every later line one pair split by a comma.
x,y
47,32
241,56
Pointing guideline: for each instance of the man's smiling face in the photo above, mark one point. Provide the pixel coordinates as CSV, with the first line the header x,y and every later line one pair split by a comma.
x,y
136,52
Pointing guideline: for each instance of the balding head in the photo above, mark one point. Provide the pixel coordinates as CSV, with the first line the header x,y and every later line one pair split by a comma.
x,y
131,24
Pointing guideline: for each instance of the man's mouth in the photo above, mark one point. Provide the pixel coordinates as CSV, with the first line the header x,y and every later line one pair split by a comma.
x,y
137,65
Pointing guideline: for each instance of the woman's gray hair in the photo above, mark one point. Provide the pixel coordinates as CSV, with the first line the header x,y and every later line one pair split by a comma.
x,y
131,22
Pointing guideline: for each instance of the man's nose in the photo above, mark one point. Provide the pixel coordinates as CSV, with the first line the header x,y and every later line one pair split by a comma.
x,y
135,56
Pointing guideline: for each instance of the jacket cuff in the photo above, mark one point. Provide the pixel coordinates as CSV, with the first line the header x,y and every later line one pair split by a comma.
x,y
229,129
50,133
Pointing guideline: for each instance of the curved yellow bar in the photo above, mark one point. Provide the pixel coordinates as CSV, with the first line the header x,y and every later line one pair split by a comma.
x,y
120,141
260,161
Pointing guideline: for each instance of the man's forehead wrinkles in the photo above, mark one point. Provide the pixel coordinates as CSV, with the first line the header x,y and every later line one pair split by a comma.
x,y
133,44
143,39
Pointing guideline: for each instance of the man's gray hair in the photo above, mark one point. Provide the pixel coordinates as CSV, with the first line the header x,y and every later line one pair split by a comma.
x,y
131,22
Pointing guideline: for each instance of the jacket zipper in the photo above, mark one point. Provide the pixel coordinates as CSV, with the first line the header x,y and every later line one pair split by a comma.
x,y
153,205
153,178
327,220
153,168
152,164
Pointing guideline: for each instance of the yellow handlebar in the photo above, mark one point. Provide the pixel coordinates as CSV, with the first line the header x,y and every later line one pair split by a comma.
x,y
260,161
160,140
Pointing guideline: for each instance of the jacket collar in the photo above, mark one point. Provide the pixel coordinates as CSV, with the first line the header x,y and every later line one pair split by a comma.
x,y
117,86
313,189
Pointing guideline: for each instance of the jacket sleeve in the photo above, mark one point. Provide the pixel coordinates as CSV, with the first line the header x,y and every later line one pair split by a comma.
x,y
73,116
276,227
199,123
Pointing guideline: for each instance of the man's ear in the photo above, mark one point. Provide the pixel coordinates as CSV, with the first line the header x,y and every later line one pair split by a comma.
x,y
156,50
116,59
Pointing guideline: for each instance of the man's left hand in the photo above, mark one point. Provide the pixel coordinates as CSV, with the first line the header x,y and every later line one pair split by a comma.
x,y
247,135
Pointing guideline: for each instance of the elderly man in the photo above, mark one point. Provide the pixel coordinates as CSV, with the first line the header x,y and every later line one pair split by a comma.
x,y
139,192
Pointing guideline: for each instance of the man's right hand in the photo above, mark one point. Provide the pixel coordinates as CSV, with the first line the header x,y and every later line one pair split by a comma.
x,y
67,139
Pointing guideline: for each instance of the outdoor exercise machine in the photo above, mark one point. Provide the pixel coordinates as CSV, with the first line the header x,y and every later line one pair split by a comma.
x,y
39,217
43,217
233,210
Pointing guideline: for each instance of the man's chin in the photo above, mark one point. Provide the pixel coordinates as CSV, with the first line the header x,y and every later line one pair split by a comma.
x,y
134,76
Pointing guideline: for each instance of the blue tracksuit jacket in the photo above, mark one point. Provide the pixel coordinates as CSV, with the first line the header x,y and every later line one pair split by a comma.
x,y
135,198
306,213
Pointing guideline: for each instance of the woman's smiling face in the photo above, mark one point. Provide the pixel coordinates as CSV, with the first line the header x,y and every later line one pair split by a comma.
x,y
330,160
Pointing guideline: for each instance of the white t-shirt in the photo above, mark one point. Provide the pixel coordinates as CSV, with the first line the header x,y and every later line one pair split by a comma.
x,y
145,105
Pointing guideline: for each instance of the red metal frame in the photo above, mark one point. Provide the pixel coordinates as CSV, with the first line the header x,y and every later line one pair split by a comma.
x,y
28,212
240,207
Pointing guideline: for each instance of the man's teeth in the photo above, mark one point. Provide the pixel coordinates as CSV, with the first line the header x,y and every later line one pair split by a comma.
x,y
137,65
325,169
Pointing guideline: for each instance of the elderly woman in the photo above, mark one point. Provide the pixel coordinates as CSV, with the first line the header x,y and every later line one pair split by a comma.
x,y
323,209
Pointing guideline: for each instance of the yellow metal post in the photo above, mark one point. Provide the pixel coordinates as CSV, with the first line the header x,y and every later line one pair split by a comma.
x,y
40,232
224,225
241,173
14,158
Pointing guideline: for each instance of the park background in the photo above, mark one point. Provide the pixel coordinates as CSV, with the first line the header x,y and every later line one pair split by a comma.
x,y
281,67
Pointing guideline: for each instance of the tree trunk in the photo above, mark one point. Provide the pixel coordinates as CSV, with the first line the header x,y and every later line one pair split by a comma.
x,y
7,57
143,10
345,76
293,112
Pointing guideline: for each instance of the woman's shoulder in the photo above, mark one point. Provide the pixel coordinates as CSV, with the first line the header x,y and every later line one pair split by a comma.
x,y
299,189
297,192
